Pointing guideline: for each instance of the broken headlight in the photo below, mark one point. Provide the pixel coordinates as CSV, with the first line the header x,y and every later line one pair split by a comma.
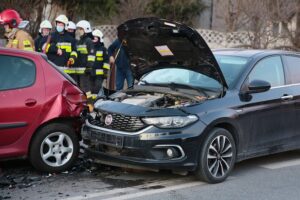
x,y
170,122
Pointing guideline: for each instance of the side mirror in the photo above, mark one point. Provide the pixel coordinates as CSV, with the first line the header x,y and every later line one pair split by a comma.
x,y
257,86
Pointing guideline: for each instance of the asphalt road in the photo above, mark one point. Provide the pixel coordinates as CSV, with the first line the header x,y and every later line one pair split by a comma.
x,y
273,177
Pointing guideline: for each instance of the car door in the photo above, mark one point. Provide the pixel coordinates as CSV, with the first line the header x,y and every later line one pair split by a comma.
x,y
21,94
292,63
270,114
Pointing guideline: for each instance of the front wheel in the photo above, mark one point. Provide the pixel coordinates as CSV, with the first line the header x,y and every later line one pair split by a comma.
x,y
54,148
217,156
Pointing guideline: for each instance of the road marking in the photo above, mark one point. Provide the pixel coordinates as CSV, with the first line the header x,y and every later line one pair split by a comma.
x,y
101,194
282,164
157,191
137,188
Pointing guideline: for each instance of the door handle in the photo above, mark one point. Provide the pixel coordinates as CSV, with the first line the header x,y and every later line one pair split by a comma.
x,y
30,102
287,97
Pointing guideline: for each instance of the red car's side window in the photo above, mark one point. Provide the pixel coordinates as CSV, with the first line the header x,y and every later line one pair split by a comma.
x,y
16,72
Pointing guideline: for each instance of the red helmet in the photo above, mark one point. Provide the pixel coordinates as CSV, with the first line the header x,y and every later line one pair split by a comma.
x,y
10,17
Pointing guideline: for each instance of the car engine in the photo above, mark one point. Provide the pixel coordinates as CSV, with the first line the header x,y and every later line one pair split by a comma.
x,y
154,100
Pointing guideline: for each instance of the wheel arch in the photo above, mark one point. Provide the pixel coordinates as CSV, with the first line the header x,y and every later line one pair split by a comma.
x,y
66,120
229,126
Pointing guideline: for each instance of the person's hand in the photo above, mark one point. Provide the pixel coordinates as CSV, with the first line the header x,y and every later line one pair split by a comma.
x,y
59,52
111,60
70,62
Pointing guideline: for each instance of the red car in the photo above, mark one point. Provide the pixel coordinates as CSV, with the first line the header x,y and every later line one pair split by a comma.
x,y
40,110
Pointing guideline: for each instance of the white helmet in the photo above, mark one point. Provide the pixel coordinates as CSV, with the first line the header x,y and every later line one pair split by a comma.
x,y
85,25
98,33
71,25
62,19
45,24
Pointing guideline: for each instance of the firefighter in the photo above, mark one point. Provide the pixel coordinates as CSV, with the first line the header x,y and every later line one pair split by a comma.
x,y
86,55
61,47
17,38
71,28
44,31
101,66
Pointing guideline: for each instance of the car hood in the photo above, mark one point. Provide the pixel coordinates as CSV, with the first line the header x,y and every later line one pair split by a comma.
x,y
153,43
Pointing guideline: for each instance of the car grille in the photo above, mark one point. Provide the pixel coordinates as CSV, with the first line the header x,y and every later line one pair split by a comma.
x,y
119,122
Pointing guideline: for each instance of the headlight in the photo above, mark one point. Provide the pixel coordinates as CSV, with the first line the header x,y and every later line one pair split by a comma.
x,y
170,122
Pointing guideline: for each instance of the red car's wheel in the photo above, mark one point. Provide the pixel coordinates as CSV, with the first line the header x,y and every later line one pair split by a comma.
x,y
54,148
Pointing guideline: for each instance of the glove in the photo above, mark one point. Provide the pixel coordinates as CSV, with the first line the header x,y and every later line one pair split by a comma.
x,y
70,62
88,70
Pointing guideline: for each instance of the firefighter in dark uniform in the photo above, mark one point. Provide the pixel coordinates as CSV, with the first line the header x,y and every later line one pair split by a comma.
x,y
86,55
101,66
61,47
45,29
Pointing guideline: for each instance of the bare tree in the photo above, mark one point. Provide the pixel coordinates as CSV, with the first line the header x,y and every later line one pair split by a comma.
x,y
260,19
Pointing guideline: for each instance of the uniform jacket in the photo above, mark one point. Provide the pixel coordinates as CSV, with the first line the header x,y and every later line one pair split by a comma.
x,y
101,66
86,54
19,39
39,42
64,42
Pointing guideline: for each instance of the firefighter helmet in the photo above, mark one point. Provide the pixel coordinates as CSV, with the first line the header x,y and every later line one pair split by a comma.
x,y
62,19
98,33
71,25
85,25
45,24
10,17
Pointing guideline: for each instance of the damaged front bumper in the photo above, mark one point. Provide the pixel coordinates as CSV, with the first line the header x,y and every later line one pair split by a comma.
x,y
151,148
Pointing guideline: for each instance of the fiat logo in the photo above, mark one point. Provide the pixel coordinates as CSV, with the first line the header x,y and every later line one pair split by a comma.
x,y
108,120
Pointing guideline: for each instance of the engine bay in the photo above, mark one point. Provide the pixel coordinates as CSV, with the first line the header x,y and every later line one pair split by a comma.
x,y
155,99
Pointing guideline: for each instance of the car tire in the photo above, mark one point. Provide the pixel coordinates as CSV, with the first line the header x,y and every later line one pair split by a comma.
x,y
54,148
217,156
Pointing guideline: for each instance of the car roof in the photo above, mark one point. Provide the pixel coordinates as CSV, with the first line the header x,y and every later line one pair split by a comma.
x,y
251,52
19,51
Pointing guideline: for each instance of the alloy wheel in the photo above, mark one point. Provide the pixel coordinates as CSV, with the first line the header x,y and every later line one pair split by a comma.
x,y
56,149
219,156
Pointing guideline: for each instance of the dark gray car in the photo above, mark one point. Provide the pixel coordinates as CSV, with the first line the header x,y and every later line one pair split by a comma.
x,y
192,109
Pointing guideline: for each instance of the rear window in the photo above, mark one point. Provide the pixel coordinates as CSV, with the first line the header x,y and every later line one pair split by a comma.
x,y
69,78
16,72
293,67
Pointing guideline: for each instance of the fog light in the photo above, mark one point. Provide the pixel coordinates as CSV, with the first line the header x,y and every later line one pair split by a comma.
x,y
170,152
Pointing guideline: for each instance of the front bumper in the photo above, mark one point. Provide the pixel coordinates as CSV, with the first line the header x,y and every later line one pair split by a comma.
x,y
151,148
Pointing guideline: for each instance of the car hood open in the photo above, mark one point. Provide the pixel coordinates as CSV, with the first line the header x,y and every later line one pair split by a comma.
x,y
153,43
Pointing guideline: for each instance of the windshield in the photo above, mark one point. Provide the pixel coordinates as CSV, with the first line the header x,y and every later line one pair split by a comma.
x,y
181,76
231,67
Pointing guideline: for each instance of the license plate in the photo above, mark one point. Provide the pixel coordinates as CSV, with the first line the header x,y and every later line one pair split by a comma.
x,y
108,139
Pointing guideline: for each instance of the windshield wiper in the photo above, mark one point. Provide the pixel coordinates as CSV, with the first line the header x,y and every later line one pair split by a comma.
x,y
174,86
145,82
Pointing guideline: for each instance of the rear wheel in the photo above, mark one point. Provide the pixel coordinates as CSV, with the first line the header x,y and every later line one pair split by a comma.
x,y
54,148
217,156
